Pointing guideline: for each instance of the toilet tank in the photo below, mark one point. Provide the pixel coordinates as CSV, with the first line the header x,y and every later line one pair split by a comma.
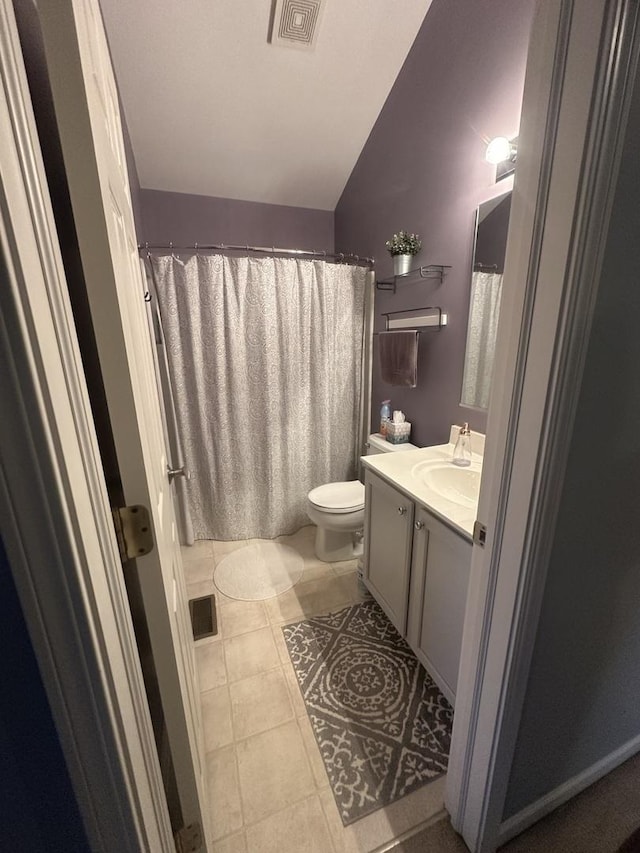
x,y
377,443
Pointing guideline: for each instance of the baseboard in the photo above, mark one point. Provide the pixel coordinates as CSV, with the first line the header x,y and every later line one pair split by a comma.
x,y
531,814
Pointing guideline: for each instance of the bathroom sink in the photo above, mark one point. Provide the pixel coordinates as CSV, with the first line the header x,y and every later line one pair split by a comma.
x,y
459,485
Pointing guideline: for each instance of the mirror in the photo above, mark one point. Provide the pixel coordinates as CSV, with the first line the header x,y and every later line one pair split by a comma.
x,y
492,225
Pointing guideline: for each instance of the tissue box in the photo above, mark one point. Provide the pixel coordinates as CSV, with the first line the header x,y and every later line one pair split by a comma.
x,y
398,433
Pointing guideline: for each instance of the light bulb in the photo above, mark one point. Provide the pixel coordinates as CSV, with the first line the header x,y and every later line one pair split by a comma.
x,y
498,150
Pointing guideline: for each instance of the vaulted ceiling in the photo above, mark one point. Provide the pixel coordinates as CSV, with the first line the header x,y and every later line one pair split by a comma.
x,y
214,109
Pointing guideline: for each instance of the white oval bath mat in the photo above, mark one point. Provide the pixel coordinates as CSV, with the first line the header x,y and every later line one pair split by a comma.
x,y
258,571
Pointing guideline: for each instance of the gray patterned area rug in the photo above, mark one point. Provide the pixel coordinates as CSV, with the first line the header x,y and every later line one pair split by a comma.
x,y
382,725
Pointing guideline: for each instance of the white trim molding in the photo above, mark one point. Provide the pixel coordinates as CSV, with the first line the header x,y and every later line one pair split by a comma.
x,y
575,108
517,823
55,517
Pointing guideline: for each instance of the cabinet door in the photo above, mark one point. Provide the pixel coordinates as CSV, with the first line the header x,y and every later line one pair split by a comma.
x,y
388,532
440,579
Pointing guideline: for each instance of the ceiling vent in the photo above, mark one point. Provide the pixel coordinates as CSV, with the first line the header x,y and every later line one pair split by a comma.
x,y
295,23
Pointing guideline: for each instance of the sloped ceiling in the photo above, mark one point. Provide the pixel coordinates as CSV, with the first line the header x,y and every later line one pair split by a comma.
x,y
214,109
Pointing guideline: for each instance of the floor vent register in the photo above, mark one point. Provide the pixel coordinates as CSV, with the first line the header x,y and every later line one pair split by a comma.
x,y
204,621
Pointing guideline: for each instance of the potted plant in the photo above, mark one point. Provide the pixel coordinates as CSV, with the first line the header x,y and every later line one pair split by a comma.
x,y
402,247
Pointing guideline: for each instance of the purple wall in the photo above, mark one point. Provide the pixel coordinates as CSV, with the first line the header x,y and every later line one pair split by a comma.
x,y
423,169
186,219
581,704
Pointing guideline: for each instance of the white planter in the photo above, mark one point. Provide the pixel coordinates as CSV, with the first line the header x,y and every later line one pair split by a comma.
x,y
402,264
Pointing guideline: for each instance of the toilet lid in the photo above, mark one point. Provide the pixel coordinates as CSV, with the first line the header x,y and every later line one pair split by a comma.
x,y
339,497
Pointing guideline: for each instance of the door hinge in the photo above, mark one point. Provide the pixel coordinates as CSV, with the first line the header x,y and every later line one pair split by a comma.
x,y
479,534
189,838
133,531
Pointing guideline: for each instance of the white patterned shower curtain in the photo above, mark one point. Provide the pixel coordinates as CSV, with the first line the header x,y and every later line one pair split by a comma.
x,y
265,357
484,313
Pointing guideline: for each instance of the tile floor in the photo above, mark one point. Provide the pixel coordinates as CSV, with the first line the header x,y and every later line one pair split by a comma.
x,y
267,783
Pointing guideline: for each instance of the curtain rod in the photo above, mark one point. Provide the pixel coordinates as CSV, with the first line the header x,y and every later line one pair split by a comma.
x,y
340,256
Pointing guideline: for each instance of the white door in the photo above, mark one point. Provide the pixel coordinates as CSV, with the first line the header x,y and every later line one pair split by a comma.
x,y
87,110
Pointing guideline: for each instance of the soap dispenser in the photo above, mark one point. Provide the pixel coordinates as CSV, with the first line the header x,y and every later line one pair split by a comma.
x,y
462,450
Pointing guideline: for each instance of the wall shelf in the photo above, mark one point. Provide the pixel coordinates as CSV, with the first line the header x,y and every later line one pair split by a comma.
x,y
396,320
433,271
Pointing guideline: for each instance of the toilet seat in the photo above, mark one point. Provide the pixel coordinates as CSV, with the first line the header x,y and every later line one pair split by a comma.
x,y
338,497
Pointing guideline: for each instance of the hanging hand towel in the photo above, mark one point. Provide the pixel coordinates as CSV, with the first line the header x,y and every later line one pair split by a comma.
x,y
399,358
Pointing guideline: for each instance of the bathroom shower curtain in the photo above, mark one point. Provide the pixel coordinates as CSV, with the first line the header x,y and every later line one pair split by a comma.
x,y
484,313
265,357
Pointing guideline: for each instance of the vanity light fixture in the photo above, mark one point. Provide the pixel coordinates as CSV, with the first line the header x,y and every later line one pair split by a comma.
x,y
502,153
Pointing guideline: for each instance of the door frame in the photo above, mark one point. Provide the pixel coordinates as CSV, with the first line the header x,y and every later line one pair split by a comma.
x,y
55,518
579,74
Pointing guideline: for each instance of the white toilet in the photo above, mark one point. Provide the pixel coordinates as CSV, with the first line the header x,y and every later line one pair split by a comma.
x,y
337,509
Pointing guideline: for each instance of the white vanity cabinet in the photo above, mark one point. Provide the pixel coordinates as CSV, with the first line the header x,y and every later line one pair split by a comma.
x,y
441,560
387,547
417,568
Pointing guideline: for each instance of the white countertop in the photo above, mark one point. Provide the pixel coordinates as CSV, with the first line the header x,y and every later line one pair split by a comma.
x,y
398,470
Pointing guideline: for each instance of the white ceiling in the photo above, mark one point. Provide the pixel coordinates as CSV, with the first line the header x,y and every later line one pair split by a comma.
x,y
214,109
